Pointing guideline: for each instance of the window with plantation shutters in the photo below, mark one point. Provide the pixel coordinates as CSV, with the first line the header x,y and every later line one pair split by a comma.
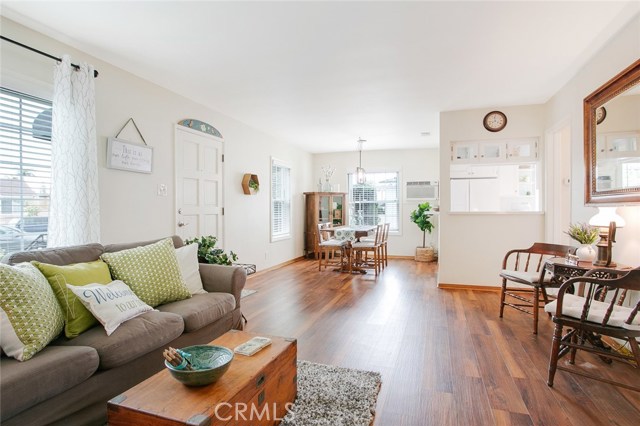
x,y
376,201
25,170
280,200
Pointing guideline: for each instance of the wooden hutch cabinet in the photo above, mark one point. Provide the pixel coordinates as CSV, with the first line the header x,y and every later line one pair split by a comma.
x,y
322,207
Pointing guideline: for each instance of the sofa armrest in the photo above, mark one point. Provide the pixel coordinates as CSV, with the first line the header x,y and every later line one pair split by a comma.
x,y
224,279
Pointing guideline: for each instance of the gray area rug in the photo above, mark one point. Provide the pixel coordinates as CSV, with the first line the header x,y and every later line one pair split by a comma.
x,y
335,396
246,292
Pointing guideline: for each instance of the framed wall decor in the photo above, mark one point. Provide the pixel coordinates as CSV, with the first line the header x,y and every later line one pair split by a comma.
x,y
129,156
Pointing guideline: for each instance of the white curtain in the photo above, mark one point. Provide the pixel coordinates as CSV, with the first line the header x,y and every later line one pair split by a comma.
x,y
74,215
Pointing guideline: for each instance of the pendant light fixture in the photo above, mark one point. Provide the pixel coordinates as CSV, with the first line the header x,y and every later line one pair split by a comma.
x,y
360,173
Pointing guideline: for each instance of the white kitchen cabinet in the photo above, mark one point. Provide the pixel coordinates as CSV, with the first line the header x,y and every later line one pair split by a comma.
x,y
618,145
522,149
494,151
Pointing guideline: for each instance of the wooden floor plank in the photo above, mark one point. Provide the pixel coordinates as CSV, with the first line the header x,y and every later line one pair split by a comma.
x,y
444,355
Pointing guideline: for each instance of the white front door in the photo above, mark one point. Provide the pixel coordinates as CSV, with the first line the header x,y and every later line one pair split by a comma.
x,y
199,183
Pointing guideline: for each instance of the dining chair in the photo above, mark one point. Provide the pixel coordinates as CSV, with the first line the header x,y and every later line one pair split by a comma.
x,y
525,267
360,249
383,244
327,247
597,312
385,238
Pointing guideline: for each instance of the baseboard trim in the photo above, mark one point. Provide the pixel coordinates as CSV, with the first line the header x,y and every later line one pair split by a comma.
x,y
447,286
435,260
278,266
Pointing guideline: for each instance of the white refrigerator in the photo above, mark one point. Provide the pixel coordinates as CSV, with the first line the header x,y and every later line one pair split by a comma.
x,y
475,195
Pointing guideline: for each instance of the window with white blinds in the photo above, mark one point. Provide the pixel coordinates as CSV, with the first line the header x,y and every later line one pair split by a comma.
x,y
25,170
376,201
280,200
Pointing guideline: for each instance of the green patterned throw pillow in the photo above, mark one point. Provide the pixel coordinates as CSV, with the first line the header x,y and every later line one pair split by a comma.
x,y
151,271
77,318
30,316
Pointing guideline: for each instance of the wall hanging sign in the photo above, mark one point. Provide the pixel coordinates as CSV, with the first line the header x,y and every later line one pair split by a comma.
x,y
124,155
130,156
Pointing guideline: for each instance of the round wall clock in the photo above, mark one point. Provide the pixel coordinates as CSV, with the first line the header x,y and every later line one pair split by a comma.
x,y
495,121
601,114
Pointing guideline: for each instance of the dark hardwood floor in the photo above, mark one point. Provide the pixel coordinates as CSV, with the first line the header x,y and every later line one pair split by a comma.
x,y
445,356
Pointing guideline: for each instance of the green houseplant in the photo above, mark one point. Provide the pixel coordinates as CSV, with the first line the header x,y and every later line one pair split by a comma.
x,y
422,217
254,185
582,233
208,253
586,235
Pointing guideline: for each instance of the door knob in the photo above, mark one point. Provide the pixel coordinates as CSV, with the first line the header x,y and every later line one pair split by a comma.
x,y
179,211
181,224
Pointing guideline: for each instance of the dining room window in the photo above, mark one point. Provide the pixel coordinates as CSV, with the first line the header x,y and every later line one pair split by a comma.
x,y
377,201
280,200
25,170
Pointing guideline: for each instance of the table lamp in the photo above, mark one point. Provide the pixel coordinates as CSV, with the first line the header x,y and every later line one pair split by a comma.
x,y
608,221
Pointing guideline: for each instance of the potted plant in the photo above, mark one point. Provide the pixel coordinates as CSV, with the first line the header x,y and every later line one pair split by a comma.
x,y
255,186
422,218
586,235
208,253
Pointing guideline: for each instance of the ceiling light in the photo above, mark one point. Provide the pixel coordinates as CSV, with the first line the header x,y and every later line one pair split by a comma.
x,y
360,173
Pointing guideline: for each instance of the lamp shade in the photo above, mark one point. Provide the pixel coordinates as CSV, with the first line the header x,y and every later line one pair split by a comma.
x,y
605,216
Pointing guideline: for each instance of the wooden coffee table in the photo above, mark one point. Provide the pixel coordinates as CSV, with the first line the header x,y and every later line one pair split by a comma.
x,y
256,390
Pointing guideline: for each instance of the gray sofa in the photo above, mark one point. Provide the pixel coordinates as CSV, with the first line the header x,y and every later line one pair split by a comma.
x,y
70,381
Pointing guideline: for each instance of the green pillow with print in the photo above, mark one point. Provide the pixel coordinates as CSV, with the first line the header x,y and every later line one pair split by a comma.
x,y
30,316
151,271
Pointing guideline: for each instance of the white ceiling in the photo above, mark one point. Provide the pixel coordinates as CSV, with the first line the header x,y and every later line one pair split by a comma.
x,y
323,74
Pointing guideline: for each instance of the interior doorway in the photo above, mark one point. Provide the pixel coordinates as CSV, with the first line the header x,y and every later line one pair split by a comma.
x,y
199,184
558,183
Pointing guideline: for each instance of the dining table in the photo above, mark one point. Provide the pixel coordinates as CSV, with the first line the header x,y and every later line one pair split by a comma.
x,y
351,234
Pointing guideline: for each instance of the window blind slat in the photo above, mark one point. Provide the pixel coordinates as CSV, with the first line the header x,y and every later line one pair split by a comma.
x,y
25,170
377,200
280,200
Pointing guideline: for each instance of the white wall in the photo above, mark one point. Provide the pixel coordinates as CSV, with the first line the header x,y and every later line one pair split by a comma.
x,y
472,245
129,207
567,104
419,164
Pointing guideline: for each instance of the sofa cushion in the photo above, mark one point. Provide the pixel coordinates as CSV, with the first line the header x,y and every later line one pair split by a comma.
x,y
132,339
151,271
77,317
29,312
572,306
201,309
51,372
111,304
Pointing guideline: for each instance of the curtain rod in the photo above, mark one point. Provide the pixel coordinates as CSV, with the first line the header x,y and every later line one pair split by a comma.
x,y
40,52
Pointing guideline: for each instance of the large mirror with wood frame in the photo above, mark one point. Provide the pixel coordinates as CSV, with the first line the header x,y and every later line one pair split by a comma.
x,y
612,140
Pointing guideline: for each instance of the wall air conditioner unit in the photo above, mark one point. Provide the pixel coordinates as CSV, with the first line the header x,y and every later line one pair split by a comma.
x,y
421,190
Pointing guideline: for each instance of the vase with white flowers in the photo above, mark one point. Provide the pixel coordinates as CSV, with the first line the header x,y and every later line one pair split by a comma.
x,y
586,235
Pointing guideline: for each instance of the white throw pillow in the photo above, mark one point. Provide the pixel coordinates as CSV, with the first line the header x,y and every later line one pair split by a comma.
x,y
189,267
111,304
